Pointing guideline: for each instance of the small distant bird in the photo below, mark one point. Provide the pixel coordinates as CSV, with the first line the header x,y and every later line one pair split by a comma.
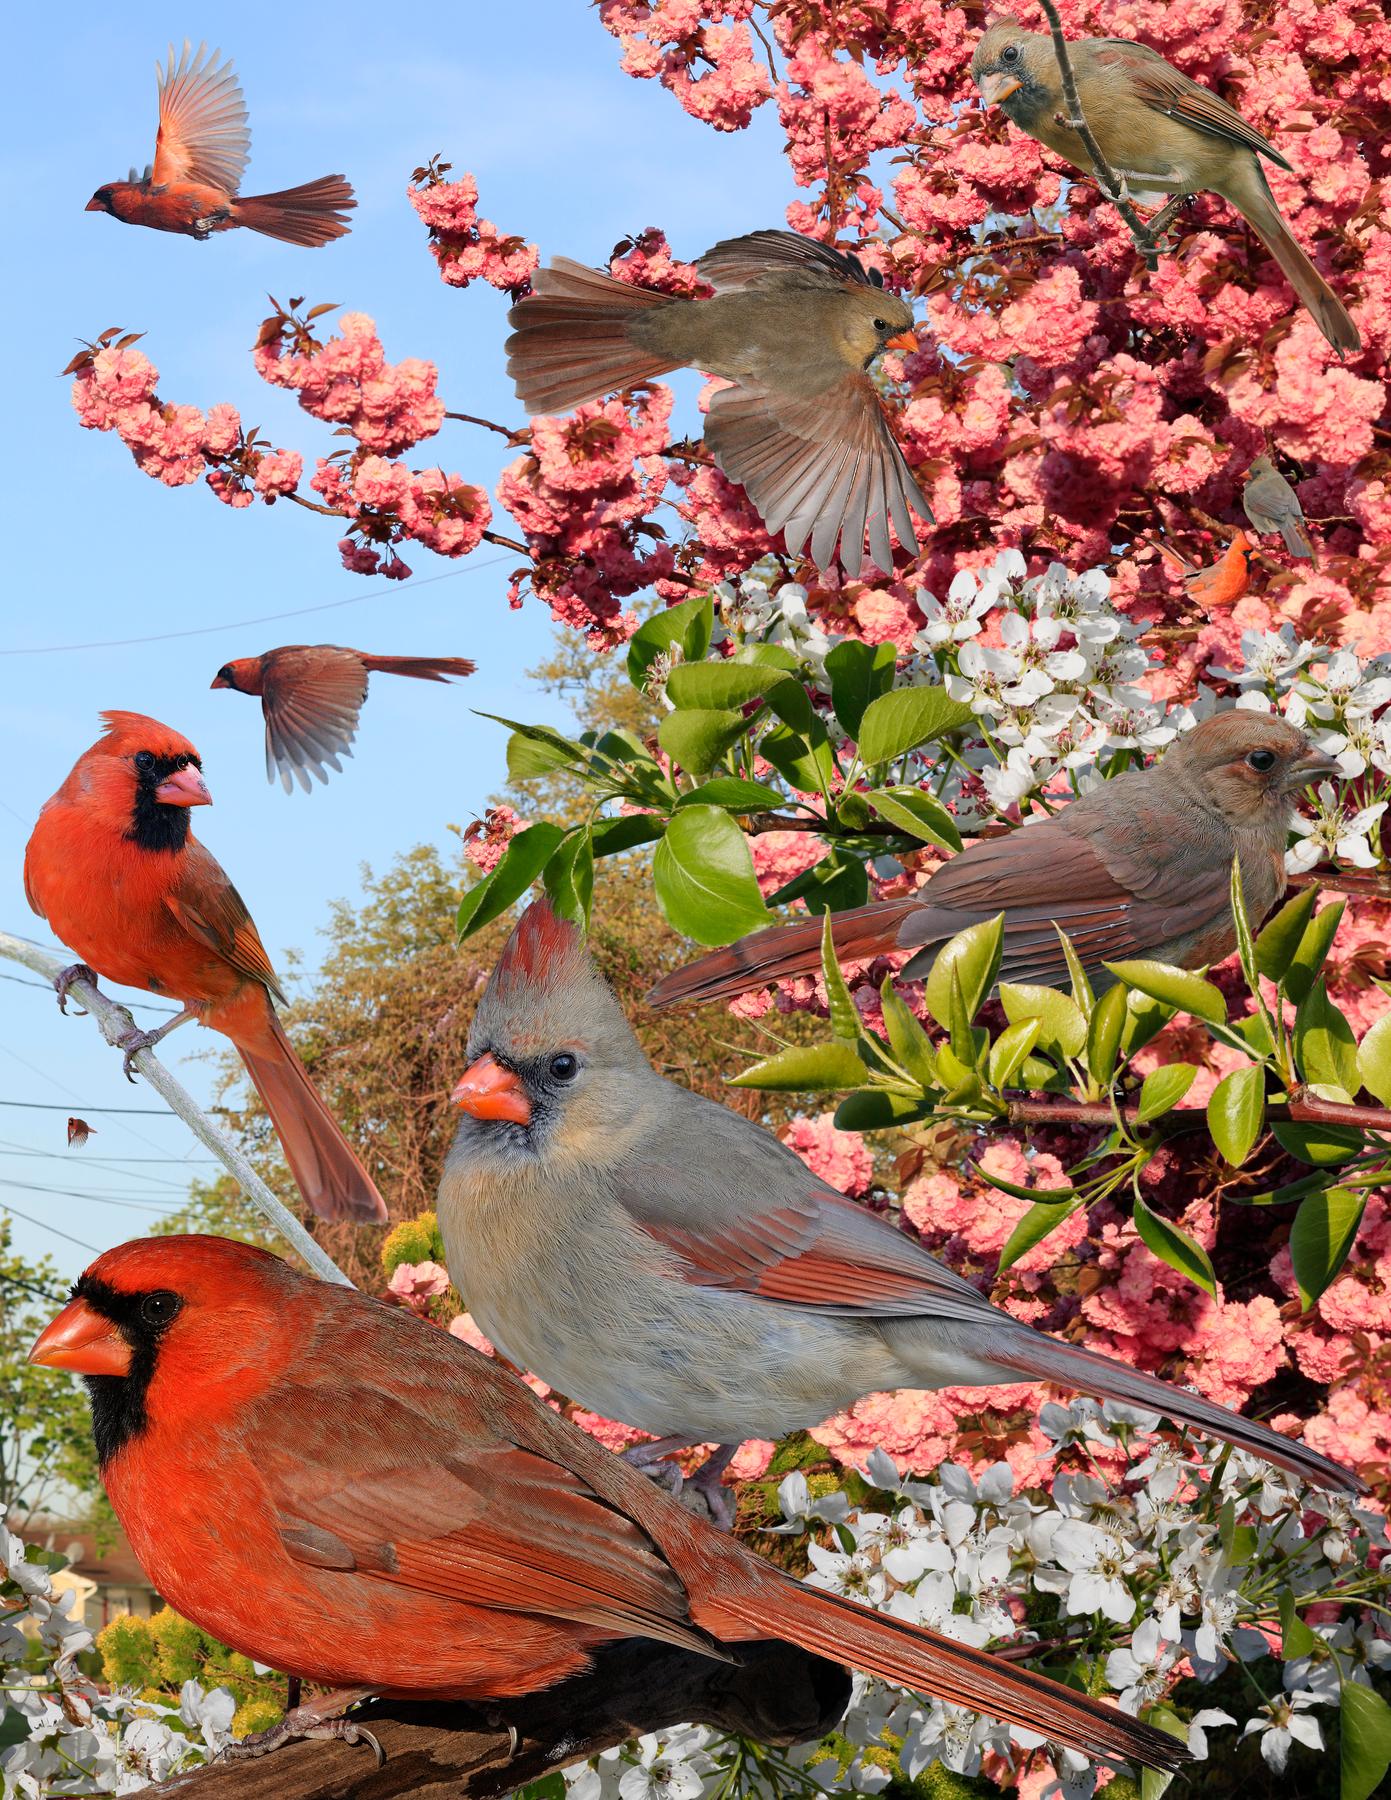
x,y
795,325
78,1133
1221,583
114,867
1140,866
201,153
311,695
1273,506
1159,130
349,1494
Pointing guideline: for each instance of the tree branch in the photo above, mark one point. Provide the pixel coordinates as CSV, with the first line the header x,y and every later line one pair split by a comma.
x,y
521,435
447,1751
1303,1109
114,1022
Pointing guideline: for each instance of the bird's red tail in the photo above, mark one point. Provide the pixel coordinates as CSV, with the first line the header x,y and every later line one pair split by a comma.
x,y
309,215
423,668
570,341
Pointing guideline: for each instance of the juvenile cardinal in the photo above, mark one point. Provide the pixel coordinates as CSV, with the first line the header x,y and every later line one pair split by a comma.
x,y
1159,130
1272,505
311,695
1140,866
114,867
794,325
201,152
675,1266
1221,583
354,1496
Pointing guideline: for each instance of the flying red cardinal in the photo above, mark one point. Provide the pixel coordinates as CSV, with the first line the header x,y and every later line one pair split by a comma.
x,y
201,153
114,867
311,695
354,1496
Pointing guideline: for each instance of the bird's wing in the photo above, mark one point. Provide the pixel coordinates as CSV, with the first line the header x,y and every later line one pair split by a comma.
x,y
824,466
203,134
1168,90
311,700
210,909
770,257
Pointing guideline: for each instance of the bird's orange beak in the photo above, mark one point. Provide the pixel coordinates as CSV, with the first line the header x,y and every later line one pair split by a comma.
x,y
998,87
80,1339
217,681
906,340
94,205
185,787
488,1091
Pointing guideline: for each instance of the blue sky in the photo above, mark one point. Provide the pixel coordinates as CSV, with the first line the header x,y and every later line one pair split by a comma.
x,y
567,151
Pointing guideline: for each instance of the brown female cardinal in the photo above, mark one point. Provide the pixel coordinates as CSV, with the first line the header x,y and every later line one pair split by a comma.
x,y
794,324
114,867
311,695
673,1265
1140,866
201,152
356,1497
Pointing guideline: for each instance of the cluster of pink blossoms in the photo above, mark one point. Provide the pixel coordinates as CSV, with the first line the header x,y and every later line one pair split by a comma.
x,y
486,838
466,247
348,381
388,503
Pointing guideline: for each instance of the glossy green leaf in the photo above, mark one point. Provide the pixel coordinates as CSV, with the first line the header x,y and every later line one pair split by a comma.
x,y
697,740
1082,995
845,1016
735,795
687,625
910,1044
1324,1045
1053,1197
519,865
1162,1089
1256,1032
804,763
975,955
1280,936
1175,1247
1179,988
1245,944
611,837
875,1109
1155,1783
1296,1638
1364,1741
963,1039
917,814
1324,1231
1062,1028
839,881
859,673
1032,1229
569,877
1010,1051
1374,1059
901,720
1144,1019
1323,1146
537,751
1104,1030
807,1068
703,875
1236,1113
718,686
1313,950
772,656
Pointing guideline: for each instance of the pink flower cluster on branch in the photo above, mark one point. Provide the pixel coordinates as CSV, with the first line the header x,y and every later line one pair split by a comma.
x,y
466,247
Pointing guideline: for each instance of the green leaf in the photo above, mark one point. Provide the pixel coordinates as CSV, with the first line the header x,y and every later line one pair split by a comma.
x,y
1296,1638
1010,1051
917,814
569,877
1032,1229
1154,1783
876,1109
705,686
1144,1019
1162,1089
975,955
1236,1113
859,673
1313,950
521,862
1324,1045
1323,1146
1256,1033
772,656
1175,1247
839,881
1179,988
807,1068
1324,1231
1280,936
1082,995
537,751
14,1729
1062,1028
805,762
1104,1034
905,718
1374,1060
734,795
688,625
703,875
611,837
845,1017
1245,945
697,740
1053,1197
910,1044
1364,1738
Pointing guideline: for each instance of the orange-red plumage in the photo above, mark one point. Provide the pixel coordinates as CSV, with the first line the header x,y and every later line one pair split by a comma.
x,y
1221,583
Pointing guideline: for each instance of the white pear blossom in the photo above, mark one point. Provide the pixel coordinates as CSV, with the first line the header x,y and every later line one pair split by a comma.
x,y
1281,1723
1334,834
1140,1669
1269,659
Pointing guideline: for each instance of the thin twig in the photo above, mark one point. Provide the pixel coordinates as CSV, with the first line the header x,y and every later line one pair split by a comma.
x,y
1301,1110
520,436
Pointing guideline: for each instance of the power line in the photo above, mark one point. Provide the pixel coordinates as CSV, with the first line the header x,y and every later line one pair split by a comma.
x,y
35,1187
43,1225
31,1287
164,1012
96,1161
80,1107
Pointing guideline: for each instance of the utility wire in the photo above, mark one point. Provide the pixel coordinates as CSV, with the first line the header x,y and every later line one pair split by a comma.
x,y
34,1187
165,1012
43,1225
81,1108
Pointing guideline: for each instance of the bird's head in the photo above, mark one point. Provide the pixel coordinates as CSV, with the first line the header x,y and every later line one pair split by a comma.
x,y
243,676
102,200
141,778
873,321
156,1325
1015,69
1249,764
554,1066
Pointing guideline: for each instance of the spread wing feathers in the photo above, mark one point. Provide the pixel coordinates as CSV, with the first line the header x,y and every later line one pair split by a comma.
x,y
826,467
311,717
764,258
210,909
570,340
203,134
1168,90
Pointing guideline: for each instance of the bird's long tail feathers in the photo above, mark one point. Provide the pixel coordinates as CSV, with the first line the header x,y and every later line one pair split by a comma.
x,y
323,1163
423,668
1327,310
570,341
309,215
927,1663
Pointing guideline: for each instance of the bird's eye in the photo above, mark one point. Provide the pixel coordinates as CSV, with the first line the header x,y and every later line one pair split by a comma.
x,y
159,1308
180,762
1261,760
1010,53
881,324
565,1067
144,760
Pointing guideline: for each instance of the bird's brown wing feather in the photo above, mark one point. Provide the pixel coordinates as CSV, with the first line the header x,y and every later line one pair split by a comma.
x,y
311,703
210,909
1168,90
763,257
203,133
824,467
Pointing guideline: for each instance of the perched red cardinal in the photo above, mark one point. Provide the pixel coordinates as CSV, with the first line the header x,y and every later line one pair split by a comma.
x,y
1140,866
356,1497
311,695
1221,583
116,870
201,153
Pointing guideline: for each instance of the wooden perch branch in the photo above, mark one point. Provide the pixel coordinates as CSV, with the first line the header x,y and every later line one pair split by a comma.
x,y
1304,1109
115,1022
776,1694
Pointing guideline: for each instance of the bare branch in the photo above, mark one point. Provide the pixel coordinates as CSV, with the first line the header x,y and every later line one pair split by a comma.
x,y
1304,1109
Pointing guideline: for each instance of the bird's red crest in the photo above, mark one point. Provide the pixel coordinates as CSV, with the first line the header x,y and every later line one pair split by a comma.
x,y
127,731
543,948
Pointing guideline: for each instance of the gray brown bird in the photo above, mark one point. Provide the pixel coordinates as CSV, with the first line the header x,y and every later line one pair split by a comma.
x,y
1159,130
1272,505
1140,866
795,325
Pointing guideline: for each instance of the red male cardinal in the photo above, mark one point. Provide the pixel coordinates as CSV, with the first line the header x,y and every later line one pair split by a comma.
x,y
351,1495
311,695
1221,583
201,153
673,1265
116,870
1140,866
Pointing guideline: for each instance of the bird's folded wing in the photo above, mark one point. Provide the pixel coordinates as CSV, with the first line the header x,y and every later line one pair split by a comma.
x,y
210,909
1160,85
824,467
311,709
770,257
203,134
